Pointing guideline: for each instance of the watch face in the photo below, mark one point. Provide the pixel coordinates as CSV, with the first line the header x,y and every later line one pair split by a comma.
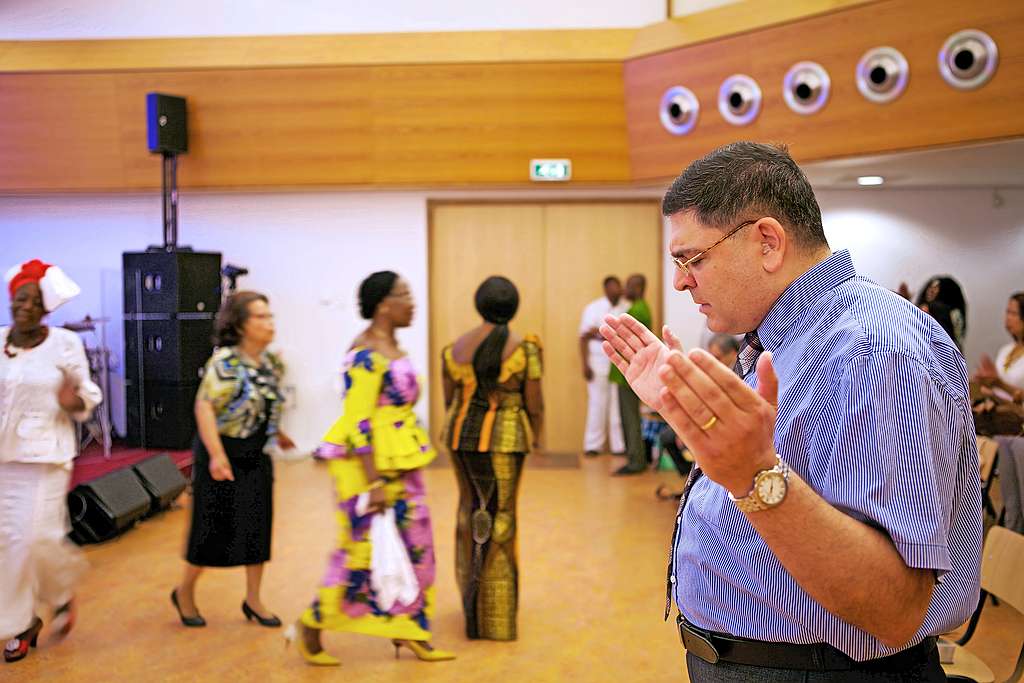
x,y
771,488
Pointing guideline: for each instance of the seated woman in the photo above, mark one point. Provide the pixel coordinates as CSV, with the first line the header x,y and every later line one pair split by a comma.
x,y
1011,481
1001,383
495,415
943,298
1002,411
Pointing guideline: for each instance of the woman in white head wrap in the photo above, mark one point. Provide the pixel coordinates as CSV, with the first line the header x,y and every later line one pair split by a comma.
x,y
44,386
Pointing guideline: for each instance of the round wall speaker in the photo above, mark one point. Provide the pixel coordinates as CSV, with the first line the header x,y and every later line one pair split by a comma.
x,y
678,110
882,74
806,87
968,59
739,99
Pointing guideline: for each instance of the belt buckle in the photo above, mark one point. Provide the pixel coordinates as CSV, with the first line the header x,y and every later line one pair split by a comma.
x,y
696,643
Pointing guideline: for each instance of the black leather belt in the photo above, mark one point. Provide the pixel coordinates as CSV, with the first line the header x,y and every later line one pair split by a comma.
x,y
715,647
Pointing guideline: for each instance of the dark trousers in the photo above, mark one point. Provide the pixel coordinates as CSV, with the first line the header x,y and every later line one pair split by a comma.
x,y
629,410
667,441
928,670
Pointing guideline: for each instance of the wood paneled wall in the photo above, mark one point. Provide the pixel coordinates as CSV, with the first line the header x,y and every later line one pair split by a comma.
x,y
726,20
280,112
929,113
277,51
390,125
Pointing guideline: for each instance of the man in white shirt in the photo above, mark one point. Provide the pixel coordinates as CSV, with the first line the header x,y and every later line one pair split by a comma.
x,y
603,419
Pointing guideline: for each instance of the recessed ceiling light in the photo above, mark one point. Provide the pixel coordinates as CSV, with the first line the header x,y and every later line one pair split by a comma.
x,y
866,180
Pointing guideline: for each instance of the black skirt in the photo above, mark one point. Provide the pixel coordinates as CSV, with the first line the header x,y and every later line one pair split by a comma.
x,y
231,520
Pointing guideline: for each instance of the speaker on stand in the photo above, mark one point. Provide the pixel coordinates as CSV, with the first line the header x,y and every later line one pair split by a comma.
x,y
171,297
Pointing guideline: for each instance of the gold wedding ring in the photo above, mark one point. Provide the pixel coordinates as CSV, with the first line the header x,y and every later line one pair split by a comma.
x,y
710,423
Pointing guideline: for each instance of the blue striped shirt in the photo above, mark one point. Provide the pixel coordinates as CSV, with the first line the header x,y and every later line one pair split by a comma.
x,y
874,414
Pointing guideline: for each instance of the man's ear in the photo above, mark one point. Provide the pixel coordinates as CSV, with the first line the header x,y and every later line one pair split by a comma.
x,y
774,243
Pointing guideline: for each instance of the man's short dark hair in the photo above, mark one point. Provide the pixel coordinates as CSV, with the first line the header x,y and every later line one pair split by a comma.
x,y
610,279
747,180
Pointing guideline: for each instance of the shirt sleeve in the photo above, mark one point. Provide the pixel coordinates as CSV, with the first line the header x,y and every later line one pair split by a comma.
x,y
220,382
885,452
75,367
534,358
585,321
363,379
446,359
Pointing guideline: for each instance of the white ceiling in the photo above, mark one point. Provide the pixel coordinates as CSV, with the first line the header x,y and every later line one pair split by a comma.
x,y
993,165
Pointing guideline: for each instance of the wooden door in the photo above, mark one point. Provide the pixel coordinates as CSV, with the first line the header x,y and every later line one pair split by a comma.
x,y
469,243
586,243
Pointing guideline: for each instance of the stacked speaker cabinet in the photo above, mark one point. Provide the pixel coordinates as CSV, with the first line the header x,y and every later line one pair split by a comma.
x,y
170,300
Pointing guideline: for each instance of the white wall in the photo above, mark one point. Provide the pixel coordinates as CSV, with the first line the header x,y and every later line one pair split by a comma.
x,y
911,235
62,19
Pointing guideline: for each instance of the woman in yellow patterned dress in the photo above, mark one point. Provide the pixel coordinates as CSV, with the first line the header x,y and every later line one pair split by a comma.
x,y
376,453
495,415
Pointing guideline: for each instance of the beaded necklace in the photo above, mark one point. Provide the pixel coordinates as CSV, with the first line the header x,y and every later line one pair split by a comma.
x,y
32,343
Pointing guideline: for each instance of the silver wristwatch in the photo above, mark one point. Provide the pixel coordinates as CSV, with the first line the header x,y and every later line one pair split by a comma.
x,y
769,489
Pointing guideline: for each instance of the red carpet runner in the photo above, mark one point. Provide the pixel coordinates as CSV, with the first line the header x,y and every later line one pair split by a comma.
x,y
91,464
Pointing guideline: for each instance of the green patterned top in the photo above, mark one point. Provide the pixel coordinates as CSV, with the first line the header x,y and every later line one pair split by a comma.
x,y
240,393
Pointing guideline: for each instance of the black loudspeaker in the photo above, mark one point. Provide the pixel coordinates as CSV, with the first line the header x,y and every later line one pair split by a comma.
x,y
171,350
171,282
166,123
160,415
162,481
104,508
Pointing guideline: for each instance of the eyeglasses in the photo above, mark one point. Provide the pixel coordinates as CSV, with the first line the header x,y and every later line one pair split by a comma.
x,y
685,265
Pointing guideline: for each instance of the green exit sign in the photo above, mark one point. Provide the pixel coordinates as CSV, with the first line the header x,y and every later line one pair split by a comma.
x,y
550,170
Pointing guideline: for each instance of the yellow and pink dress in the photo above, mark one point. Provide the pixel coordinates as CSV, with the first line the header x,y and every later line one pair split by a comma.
x,y
377,418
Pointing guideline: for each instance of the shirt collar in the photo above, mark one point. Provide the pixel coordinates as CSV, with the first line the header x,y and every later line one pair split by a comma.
x,y
255,363
801,294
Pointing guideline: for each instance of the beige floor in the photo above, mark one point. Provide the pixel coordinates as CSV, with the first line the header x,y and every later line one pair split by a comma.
x,y
592,548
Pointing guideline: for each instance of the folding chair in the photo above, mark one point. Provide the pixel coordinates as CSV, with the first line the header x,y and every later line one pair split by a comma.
x,y
988,456
1001,565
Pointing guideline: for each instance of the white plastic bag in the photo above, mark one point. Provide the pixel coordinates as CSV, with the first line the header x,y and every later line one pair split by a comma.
x,y
391,574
